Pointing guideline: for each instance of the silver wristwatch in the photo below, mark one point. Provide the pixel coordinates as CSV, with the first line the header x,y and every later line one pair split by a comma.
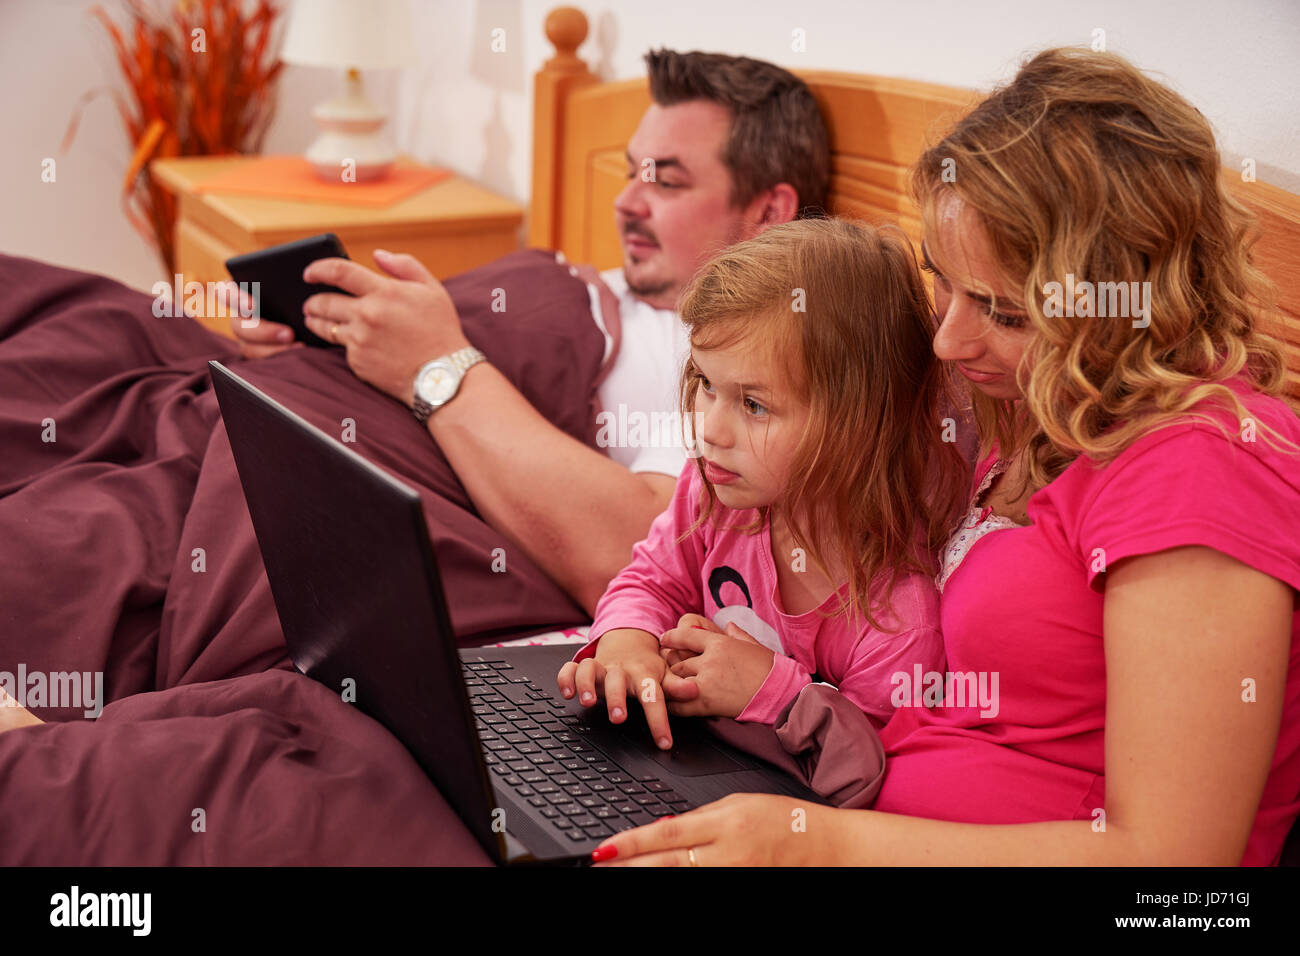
x,y
438,381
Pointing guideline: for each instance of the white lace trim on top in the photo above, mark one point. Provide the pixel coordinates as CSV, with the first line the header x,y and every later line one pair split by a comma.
x,y
978,522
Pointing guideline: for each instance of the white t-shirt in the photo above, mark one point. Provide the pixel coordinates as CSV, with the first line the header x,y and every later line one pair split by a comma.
x,y
640,422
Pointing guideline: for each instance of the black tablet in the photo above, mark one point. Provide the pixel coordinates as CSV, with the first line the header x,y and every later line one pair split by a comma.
x,y
280,290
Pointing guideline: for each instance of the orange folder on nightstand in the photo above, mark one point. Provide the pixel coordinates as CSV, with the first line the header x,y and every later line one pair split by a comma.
x,y
292,177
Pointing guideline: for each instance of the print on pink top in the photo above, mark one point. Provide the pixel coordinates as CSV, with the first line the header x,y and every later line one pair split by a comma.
x,y
726,574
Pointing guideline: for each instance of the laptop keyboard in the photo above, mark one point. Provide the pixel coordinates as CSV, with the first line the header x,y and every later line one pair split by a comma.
x,y
535,747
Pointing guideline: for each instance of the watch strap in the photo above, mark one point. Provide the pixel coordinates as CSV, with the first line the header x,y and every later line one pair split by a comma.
x,y
462,360
422,410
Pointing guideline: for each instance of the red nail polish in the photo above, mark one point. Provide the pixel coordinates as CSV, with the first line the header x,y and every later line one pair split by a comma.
x,y
603,853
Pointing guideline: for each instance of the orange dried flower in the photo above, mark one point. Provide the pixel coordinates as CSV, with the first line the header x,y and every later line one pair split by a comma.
x,y
200,80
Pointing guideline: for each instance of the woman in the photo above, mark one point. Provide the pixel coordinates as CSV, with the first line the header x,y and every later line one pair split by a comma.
x,y
1126,580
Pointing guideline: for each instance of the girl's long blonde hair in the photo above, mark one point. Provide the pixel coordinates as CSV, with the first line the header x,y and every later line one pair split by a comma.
x,y
1084,166
872,468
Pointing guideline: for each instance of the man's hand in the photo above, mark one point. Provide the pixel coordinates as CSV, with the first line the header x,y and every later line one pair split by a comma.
x,y
13,716
390,326
257,337
727,668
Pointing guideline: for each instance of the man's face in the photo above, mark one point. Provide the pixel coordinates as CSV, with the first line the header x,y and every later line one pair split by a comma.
x,y
675,211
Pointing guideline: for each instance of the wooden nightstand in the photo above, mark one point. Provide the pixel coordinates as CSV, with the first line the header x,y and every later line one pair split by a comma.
x,y
451,226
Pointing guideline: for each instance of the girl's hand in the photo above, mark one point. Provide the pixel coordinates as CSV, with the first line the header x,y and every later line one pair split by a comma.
x,y
726,668
672,656
627,659
743,829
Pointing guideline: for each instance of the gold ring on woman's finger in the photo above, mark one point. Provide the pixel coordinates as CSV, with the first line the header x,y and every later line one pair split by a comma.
x,y
690,855
334,333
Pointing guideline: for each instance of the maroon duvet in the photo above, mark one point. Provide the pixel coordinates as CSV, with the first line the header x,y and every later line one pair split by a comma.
x,y
210,749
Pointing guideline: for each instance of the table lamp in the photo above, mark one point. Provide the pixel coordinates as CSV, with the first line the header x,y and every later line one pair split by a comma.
x,y
353,35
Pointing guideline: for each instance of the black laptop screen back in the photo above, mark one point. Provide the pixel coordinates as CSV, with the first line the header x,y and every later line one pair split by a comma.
x,y
356,587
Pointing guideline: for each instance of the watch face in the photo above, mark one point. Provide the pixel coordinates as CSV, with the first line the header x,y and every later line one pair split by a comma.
x,y
437,384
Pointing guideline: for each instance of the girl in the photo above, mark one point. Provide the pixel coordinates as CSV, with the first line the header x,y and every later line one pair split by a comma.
x,y
797,545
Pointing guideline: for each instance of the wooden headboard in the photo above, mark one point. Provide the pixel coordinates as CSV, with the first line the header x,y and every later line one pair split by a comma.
x,y
878,127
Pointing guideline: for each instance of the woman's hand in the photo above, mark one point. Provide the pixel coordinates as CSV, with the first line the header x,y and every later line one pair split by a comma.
x,y
626,658
743,829
727,668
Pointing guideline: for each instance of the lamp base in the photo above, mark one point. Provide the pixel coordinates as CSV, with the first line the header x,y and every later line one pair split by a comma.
x,y
351,147
355,157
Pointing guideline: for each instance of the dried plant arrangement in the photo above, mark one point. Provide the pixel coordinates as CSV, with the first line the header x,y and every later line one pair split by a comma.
x,y
200,80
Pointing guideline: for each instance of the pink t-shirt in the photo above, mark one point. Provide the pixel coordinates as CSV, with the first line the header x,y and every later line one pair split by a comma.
x,y
1026,603
728,575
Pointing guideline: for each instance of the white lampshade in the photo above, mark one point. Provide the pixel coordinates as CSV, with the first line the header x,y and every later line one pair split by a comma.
x,y
353,34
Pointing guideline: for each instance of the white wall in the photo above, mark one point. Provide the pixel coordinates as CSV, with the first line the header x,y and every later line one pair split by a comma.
x,y
470,109
1238,63
51,53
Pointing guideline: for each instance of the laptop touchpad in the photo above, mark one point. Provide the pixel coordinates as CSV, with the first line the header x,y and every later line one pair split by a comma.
x,y
693,757
692,754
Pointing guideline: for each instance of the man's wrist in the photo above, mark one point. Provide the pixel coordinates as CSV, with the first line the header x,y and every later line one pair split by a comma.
x,y
447,370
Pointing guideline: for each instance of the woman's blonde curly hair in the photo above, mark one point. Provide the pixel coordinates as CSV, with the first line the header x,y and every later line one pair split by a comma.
x,y
1082,165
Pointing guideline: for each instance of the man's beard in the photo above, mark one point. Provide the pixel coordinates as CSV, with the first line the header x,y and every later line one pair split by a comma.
x,y
644,289
657,288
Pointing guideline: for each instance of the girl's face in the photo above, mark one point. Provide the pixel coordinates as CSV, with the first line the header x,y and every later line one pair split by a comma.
x,y
748,422
985,345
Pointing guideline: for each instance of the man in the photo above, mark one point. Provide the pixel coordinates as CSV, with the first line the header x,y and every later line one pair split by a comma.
x,y
729,147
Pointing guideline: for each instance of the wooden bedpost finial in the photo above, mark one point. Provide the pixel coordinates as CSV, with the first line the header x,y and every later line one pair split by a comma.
x,y
561,75
566,28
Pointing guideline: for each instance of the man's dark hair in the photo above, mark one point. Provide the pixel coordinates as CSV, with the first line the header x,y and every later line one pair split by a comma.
x,y
777,135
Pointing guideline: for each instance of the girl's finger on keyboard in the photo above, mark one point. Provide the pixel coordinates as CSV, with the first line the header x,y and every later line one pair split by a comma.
x,y
616,694
589,673
564,680
653,702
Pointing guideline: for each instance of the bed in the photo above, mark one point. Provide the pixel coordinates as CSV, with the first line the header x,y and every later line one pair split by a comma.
x,y
127,548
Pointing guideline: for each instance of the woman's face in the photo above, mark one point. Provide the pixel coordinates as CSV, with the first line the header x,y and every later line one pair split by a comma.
x,y
985,345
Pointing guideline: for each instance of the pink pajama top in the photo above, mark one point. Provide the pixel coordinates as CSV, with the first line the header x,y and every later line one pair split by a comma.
x,y
1026,603
728,575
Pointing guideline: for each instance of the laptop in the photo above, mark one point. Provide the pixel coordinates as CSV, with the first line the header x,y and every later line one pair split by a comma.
x,y
535,778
